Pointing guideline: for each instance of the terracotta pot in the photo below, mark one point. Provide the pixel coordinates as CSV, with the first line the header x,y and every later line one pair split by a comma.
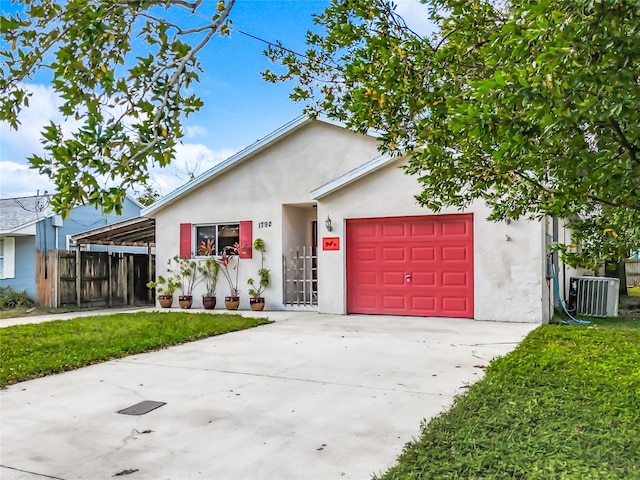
x,y
209,303
165,300
232,303
185,301
256,304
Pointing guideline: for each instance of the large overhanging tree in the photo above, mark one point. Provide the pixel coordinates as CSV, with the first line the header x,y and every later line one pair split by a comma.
x,y
532,106
125,73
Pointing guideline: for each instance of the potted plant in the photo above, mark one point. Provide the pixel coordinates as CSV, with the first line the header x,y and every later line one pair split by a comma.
x,y
165,287
229,262
185,271
209,270
256,301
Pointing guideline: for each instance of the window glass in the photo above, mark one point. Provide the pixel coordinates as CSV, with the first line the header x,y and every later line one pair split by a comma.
x,y
213,239
206,240
1,258
227,236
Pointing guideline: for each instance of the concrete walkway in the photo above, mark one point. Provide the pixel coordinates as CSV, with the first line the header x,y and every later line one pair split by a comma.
x,y
308,397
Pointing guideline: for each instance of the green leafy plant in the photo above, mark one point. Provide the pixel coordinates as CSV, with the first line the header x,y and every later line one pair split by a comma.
x,y
9,298
164,285
185,271
263,274
209,270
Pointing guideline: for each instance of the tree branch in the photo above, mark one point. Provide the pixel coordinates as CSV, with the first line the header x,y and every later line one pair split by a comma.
x,y
631,150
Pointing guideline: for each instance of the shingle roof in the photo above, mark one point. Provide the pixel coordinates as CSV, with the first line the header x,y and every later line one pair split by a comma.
x,y
19,212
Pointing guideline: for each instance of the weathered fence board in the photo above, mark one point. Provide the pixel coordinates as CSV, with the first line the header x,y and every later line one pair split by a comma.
x,y
106,279
632,270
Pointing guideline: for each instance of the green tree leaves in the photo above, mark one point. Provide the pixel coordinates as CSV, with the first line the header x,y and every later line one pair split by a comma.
x,y
532,106
129,106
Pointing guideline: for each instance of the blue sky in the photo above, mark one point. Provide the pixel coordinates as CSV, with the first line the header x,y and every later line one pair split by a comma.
x,y
239,107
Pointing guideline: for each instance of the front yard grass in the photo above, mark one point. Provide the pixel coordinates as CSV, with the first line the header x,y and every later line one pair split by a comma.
x,y
565,404
36,350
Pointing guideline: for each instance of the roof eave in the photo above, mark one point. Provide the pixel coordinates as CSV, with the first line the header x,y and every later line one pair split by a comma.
x,y
351,176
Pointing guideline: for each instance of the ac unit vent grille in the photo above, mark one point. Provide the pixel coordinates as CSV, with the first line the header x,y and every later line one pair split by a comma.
x,y
597,296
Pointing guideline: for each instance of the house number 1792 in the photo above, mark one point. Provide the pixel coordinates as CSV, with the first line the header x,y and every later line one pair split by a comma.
x,y
264,224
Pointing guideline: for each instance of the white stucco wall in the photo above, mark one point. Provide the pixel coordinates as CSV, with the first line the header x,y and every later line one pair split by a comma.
x,y
509,274
256,190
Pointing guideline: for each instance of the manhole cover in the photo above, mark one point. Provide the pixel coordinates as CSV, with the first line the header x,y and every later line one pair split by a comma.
x,y
141,408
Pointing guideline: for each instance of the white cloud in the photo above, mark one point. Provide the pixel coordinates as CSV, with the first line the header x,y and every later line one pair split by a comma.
x,y
416,15
18,180
17,146
43,108
195,131
190,158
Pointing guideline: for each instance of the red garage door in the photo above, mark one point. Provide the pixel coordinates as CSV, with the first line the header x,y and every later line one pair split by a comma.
x,y
411,266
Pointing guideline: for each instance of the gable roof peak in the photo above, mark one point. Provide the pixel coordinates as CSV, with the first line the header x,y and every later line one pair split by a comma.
x,y
242,155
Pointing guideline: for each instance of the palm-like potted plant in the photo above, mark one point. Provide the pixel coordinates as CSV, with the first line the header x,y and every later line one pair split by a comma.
x,y
165,287
209,270
230,263
256,300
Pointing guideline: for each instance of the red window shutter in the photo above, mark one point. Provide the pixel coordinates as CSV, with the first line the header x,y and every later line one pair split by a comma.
x,y
246,239
185,240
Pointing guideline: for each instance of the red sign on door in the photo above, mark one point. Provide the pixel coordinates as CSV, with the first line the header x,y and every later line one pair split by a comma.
x,y
331,243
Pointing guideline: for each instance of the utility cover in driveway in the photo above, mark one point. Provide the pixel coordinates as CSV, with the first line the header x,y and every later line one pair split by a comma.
x,y
411,265
141,408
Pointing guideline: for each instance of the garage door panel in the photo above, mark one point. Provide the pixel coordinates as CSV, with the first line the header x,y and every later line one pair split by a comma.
x,y
455,279
423,279
393,254
454,228
424,230
456,253
434,253
393,230
454,305
366,303
426,305
367,279
395,302
364,230
392,279
365,254
423,254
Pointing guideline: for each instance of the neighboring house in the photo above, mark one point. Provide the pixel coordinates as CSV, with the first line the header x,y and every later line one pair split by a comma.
x,y
28,224
344,234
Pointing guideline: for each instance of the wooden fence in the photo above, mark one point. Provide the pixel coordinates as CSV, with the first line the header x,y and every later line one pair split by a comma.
x,y
632,270
101,279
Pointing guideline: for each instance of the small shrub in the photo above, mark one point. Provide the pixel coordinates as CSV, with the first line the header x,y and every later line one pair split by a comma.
x,y
9,298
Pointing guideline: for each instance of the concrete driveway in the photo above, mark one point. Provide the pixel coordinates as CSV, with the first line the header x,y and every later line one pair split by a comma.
x,y
311,396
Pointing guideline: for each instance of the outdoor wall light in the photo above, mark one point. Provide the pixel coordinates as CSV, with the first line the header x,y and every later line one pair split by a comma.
x,y
327,223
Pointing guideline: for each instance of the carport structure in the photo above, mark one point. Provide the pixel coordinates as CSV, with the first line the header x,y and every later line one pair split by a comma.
x,y
133,232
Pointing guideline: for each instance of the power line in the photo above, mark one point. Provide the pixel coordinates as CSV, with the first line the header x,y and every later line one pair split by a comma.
x,y
279,46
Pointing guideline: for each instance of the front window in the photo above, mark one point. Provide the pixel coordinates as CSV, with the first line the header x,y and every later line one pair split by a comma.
x,y
213,239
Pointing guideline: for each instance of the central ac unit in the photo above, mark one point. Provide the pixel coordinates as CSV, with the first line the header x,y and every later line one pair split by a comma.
x,y
594,296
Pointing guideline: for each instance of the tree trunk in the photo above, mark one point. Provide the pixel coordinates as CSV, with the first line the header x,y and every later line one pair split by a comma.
x,y
618,271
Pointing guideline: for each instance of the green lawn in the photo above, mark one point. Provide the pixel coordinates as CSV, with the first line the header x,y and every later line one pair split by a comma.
x,y
36,350
565,404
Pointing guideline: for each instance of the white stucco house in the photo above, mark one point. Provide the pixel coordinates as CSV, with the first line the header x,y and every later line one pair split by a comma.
x,y
344,234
